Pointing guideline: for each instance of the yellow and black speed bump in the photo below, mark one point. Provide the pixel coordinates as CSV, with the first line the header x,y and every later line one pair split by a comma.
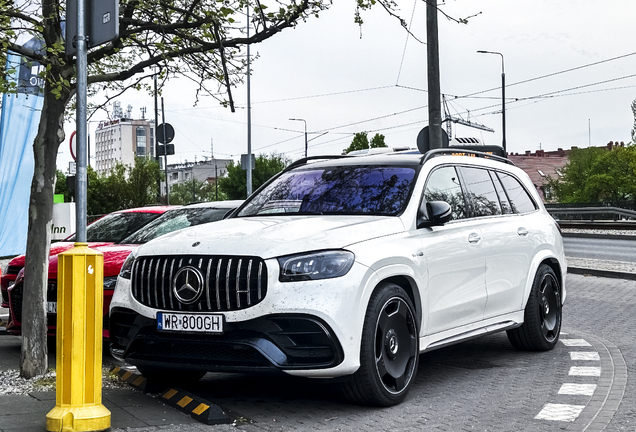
x,y
196,407
137,381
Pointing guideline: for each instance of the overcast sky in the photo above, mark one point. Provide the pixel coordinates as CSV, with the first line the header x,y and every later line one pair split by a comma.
x,y
341,83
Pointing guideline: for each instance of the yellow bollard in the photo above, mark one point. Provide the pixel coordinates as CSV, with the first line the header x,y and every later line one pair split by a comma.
x,y
80,298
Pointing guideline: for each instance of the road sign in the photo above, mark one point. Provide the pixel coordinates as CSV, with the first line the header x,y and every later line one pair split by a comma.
x,y
169,133
244,160
160,149
423,142
101,23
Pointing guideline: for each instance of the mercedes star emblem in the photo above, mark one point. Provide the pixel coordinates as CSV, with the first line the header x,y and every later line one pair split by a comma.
x,y
187,285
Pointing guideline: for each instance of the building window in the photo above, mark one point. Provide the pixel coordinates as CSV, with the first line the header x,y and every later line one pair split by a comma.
x,y
141,142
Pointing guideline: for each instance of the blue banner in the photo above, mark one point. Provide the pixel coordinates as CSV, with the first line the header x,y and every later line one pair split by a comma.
x,y
18,127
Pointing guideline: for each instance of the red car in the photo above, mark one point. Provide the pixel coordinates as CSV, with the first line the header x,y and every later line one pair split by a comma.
x,y
115,253
110,229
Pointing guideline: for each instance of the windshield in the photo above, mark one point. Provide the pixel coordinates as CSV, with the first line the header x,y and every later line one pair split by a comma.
x,y
350,190
114,227
175,220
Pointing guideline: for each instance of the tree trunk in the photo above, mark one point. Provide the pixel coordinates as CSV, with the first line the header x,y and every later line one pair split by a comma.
x,y
34,326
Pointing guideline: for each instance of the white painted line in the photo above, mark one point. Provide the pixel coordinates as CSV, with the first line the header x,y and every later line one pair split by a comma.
x,y
585,371
560,412
577,389
584,355
575,342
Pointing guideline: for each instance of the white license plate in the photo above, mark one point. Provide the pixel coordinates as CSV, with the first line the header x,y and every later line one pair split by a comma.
x,y
186,322
51,307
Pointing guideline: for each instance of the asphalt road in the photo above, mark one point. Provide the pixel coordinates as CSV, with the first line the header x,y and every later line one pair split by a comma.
x,y
483,384
600,248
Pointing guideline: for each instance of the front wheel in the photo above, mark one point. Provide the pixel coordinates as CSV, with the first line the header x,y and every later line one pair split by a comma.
x,y
389,350
542,317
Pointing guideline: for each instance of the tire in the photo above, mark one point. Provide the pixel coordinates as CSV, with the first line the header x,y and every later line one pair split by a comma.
x,y
170,376
542,317
389,352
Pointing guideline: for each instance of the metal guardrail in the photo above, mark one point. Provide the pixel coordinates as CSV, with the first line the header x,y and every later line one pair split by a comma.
x,y
592,211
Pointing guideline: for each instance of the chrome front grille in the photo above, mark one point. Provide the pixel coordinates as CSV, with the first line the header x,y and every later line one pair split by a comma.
x,y
227,283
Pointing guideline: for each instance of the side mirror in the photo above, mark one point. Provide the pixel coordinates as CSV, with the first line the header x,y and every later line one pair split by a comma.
x,y
434,213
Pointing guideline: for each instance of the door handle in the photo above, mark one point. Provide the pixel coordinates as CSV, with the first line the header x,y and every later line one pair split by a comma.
x,y
522,232
474,238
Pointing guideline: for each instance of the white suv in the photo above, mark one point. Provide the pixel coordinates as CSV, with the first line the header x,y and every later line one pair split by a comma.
x,y
348,267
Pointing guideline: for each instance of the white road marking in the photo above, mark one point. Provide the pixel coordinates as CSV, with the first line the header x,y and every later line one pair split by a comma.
x,y
560,412
585,371
577,389
575,342
584,355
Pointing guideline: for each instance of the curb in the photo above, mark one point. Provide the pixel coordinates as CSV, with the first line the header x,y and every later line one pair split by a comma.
x,y
194,406
602,273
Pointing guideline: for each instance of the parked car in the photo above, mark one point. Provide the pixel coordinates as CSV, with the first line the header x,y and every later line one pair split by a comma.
x,y
114,256
348,267
108,229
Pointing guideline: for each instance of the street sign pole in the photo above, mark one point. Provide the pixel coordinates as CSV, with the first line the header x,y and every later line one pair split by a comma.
x,y
165,164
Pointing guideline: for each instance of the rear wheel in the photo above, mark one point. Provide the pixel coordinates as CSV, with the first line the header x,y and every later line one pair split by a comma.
x,y
389,350
542,317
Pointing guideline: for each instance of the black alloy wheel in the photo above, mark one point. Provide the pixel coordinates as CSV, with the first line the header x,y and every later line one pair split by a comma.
x,y
389,352
542,316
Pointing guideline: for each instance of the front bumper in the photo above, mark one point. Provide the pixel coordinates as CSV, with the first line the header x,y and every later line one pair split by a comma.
x,y
289,342
330,311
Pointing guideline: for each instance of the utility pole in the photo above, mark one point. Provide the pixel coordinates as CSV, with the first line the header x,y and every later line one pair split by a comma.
x,y
216,175
165,157
434,99
249,111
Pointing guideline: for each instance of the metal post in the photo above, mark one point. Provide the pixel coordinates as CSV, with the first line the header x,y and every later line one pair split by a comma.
x,y
216,175
503,97
82,68
165,147
249,111
156,124
434,98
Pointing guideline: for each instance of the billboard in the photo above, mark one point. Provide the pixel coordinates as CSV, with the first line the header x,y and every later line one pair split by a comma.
x,y
19,121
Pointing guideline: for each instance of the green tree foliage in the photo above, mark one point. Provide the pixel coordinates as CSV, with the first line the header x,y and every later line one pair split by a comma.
x,y
234,186
195,191
377,141
361,142
597,174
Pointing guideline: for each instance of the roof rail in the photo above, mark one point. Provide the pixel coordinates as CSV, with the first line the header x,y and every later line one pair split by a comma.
x,y
451,151
304,160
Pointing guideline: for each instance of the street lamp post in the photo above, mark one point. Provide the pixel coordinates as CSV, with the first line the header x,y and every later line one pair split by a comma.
x,y
503,97
303,120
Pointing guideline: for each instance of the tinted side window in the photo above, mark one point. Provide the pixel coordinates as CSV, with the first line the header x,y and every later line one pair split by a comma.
x,y
519,198
481,192
443,185
503,198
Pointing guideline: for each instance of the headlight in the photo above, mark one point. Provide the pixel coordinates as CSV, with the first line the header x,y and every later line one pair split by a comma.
x,y
126,269
317,265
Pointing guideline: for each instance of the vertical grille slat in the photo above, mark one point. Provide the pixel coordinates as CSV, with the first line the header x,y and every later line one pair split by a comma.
x,y
216,284
229,283
156,286
248,277
207,284
163,284
170,284
238,283
260,274
143,278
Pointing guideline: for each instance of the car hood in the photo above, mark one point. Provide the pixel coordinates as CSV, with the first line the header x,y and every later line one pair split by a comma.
x,y
273,236
56,248
114,257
